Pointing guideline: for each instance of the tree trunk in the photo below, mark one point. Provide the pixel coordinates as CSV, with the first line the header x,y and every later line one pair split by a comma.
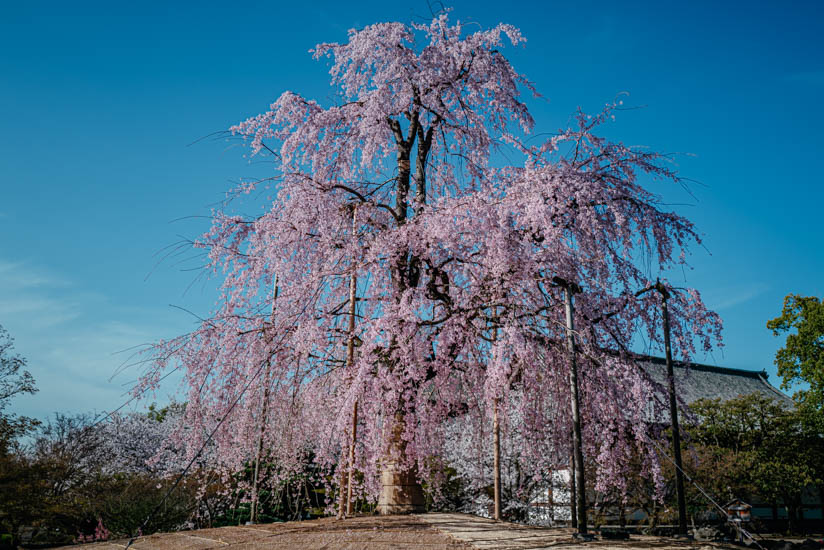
x,y
400,491
792,524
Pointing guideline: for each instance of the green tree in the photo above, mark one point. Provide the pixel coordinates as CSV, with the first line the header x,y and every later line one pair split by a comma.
x,y
16,479
752,446
802,357
14,380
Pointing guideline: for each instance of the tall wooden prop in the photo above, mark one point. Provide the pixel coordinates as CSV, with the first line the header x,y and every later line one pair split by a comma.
x,y
577,447
346,505
349,503
676,434
350,360
573,495
253,514
496,440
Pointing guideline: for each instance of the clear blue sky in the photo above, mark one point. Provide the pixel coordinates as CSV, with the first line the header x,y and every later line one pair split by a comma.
x,y
100,101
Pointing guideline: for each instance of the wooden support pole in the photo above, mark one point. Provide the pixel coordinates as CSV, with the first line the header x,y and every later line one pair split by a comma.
x,y
673,406
342,487
496,440
577,447
350,360
496,429
253,513
345,507
573,495
254,508
349,504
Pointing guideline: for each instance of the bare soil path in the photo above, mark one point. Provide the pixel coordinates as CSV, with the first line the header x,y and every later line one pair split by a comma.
x,y
487,534
359,533
416,532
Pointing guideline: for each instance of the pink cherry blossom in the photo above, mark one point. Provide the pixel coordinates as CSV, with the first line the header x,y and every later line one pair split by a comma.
x,y
462,225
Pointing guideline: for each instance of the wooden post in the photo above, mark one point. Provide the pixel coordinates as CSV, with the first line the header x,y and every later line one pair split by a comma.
x,y
342,488
577,449
350,360
253,513
349,504
573,494
254,507
673,405
346,504
496,439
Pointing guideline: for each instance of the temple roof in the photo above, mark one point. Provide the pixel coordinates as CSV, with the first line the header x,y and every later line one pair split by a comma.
x,y
695,381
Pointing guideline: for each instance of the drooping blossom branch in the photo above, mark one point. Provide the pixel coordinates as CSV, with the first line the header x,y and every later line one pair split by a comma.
x,y
450,243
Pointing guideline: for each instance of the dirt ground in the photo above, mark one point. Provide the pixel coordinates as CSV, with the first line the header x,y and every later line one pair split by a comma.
x,y
389,532
418,532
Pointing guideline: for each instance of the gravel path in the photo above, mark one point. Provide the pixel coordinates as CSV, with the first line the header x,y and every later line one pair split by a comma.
x,y
416,532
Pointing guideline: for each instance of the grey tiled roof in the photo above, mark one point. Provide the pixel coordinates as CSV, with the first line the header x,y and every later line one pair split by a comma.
x,y
696,381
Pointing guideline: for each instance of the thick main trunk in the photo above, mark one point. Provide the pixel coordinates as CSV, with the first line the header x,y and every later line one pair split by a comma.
x,y
400,491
